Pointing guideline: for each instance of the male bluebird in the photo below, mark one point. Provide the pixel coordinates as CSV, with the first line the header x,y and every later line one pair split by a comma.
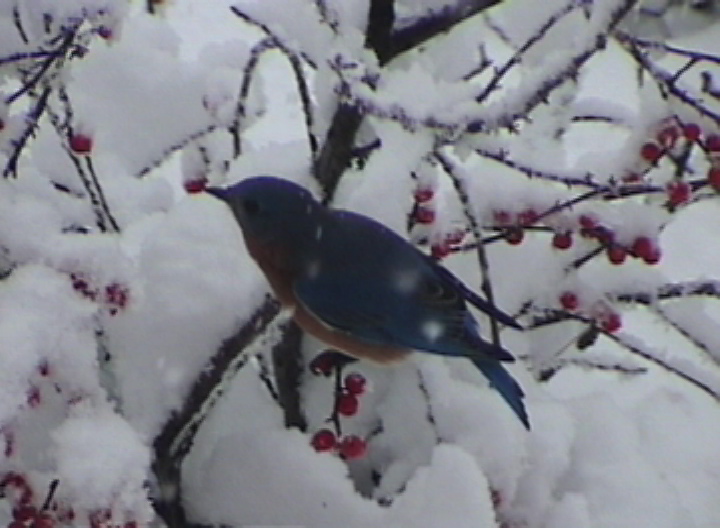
x,y
359,287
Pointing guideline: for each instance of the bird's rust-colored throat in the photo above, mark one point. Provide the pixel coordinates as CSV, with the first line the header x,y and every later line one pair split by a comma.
x,y
383,354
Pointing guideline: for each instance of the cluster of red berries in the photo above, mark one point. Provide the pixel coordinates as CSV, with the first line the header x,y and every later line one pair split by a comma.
x,y
114,297
103,519
424,204
347,404
672,134
448,244
424,210
424,214
30,517
605,318
16,488
642,247
348,446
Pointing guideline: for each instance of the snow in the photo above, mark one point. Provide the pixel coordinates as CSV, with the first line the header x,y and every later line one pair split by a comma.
x,y
90,475
104,332
432,330
191,261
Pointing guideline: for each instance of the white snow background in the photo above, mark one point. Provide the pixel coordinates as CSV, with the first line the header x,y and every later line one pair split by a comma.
x,y
605,450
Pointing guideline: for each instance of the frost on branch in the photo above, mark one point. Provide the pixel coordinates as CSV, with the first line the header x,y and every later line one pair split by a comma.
x,y
558,156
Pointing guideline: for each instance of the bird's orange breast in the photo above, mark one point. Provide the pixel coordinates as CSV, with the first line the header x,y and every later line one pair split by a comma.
x,y
275,264
345,342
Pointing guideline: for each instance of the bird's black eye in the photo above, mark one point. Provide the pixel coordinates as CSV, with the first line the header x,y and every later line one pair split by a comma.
x,y
251,206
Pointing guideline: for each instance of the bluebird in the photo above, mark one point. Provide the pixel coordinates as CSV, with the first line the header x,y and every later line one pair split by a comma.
x,y
361,288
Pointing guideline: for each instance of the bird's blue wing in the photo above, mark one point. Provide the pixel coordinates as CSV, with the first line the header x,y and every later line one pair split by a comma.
x,y
381,290
477,301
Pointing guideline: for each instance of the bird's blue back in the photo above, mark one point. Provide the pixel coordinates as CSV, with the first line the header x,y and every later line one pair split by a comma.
x,y
365,279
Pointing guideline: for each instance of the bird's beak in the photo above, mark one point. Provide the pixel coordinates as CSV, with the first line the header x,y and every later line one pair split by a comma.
x,y
217,192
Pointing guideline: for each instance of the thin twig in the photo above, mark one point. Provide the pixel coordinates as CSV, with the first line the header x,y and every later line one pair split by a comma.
x,y
31,123
500,73
448,165
274,41
172,149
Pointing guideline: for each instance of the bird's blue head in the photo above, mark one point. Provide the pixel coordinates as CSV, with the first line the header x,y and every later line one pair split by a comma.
x,y
270,209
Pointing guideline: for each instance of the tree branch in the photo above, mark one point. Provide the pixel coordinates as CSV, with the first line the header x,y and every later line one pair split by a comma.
x,y
175,440
431,26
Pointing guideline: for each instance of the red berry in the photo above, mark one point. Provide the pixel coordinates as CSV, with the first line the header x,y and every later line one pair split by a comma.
x,y
616,254
455,237
514,235
352,447
323,440
651,152
569,301
105,32
678,193
116,296
323,364
44,520
440,251
355,383
424,194
424,215
195,186
653,257
642,247
24,513
66,515
502,218
81,143
562,240
632,177
528,217
347,404
603,235
26,495
691,131
16,524
712,142
587,221
14,480
713,177
82,285
611,322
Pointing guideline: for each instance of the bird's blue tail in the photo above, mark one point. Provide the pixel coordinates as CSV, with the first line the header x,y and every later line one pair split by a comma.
x,y
501,380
